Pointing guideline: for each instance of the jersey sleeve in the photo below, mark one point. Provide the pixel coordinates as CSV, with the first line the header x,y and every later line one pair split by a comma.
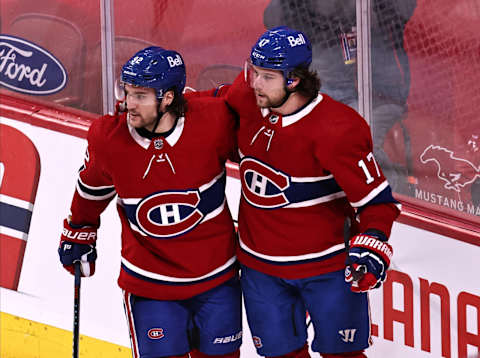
x,y
353,165
219,91
227,123
236,93
94,188
231,146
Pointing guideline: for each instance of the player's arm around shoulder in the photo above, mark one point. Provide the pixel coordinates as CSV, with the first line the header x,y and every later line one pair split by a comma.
x,y
219,91
218,122
238,92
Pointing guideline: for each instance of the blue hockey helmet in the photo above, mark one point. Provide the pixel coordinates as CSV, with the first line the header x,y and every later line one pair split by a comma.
x,y
282,48
157,68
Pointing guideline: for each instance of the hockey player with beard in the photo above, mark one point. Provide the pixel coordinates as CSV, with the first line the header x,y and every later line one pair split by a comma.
x,y
306,170
166,165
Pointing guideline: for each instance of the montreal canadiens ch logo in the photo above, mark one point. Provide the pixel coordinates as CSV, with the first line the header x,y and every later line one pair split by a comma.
x,y
263,186
169,214
155,333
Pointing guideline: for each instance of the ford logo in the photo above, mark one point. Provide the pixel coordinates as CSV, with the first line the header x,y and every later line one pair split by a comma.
x,y
28,68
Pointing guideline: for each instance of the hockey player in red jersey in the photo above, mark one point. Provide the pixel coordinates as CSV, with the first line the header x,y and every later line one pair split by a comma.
x,y
306,169
166,165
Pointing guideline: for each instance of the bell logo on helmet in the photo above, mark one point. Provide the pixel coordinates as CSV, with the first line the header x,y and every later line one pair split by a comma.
x,y
296,41
173,62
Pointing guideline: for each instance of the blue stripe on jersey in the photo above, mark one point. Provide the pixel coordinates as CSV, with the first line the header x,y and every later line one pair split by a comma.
x,y
384,197
173,283
95,192
298,192
14,217
214,196
294,262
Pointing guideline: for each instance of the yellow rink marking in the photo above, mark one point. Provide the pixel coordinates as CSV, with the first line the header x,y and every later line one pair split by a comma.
x,y
22,338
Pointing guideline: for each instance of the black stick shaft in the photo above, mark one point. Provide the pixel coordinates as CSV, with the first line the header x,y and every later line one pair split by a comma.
x,y
357,274
76,310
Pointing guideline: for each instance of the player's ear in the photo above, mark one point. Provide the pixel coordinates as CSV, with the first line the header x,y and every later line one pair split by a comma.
x,y
168,98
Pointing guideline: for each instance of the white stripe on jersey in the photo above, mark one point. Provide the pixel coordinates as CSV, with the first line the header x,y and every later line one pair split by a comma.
x,y
313,255
101,187
373,193
316,201
131,323
93,197
157,276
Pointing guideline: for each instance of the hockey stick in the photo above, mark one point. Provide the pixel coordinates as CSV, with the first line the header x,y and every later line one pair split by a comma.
x,y
76,309
356,274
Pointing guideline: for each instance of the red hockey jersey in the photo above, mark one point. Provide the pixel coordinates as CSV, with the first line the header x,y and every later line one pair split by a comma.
x,y
178,238
301,176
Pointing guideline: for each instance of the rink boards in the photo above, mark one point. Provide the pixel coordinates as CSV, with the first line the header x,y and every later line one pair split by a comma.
x,y
429,307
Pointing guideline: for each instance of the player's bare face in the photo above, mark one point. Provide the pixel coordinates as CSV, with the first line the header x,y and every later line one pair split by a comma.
x,y
269,87
142,106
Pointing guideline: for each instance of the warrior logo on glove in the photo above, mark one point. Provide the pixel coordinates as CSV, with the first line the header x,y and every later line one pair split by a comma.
x,y
367,262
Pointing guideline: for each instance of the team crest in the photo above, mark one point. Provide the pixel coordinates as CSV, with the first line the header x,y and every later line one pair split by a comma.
x,y
263,186
169,214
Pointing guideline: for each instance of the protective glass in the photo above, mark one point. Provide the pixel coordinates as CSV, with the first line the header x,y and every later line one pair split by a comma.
x,y
263,78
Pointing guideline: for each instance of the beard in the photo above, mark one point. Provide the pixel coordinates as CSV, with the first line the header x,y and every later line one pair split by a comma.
x,y
264,101
135,120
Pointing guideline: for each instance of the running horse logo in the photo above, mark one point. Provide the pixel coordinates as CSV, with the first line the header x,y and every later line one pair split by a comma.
x,y
448,167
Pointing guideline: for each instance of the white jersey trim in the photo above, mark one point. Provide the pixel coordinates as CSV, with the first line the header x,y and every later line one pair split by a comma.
x,y
290,119
172,139
291,258
214,213
300,179
131,323
310,179
101,187
157,276
94,197
316,201
204,187
141,141
373,193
